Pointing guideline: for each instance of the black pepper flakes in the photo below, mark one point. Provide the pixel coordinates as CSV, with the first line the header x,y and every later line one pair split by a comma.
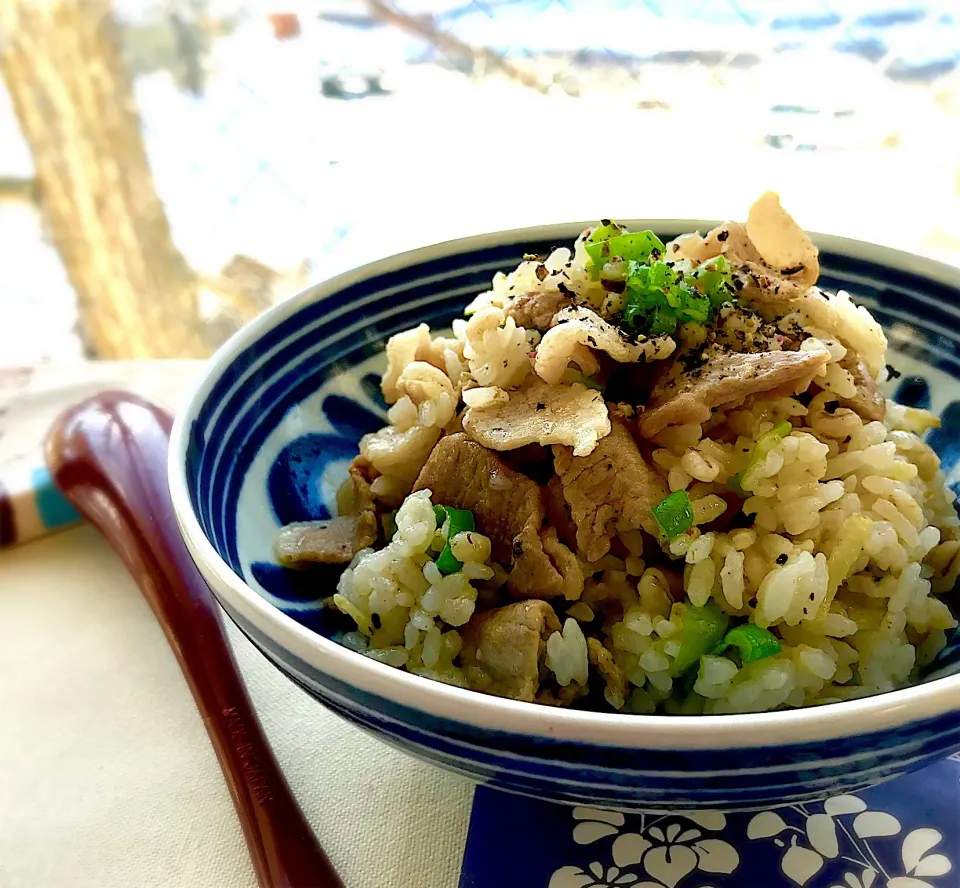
x,y
723,235
375,621
793,269
675,248
563,288
605,222
892,372
517,549
541,405
542,273
782,558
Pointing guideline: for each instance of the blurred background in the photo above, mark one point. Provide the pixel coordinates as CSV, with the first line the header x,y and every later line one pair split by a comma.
x,y
169,168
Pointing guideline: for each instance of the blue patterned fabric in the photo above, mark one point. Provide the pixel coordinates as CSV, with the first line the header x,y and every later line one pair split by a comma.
x,y
271,443
904,834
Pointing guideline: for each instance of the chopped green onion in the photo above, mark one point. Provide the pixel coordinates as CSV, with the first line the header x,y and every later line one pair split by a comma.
x,y
636,246
612,240
765,444
703,629
674,514
591,383
659,296
389,525
713,280
753,642
452,521
597,246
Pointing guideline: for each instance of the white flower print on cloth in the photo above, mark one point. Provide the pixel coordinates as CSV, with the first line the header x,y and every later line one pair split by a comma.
x,y
666,850
845,831
902,834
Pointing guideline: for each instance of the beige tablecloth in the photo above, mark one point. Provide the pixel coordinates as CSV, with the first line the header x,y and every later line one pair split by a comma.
x,y
106,774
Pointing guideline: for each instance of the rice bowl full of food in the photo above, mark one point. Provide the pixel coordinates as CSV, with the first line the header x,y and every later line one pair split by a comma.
x,y
661,518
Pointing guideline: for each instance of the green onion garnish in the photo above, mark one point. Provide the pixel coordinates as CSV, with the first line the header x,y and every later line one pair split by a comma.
x,y
765,444
452,521
659,295
753,642
703,629
389,525
674,514
591,383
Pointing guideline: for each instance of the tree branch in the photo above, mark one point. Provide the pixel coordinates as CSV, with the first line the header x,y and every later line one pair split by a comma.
x,y
425,29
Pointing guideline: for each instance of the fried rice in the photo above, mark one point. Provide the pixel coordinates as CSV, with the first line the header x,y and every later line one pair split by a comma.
x,y
650,477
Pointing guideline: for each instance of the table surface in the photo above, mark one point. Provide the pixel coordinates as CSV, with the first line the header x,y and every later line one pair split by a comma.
x,y
107,777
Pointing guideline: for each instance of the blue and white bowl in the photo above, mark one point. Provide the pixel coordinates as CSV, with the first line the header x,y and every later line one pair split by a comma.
x,y
265,440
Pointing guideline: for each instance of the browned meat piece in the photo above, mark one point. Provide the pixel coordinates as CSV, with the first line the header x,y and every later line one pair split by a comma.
x,y
355,495
558,511
504,649
869,402
338,540
725,380
771,293
543,567
552,694
507,508
610,490
602,661
536,310
326,542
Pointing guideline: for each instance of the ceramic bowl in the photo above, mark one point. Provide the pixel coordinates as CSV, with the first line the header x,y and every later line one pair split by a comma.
x,y
266,437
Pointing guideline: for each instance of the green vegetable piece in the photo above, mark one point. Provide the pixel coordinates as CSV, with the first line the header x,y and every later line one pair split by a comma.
x,y
714,280
590,382
765,443
664,321
452,521
696,309
674,514
389,525
596,244
636,246
753,643
446,563
703,629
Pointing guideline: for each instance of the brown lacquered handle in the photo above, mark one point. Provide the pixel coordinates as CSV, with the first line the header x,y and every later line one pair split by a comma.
x,y
109,457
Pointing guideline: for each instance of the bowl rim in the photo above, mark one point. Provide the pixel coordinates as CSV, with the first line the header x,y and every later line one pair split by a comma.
x,y
797,726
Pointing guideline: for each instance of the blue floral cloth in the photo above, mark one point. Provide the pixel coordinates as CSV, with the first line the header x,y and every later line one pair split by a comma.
x,y
904,834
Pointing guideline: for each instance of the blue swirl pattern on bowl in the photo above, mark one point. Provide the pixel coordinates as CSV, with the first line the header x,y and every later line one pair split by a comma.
x,y
284,418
